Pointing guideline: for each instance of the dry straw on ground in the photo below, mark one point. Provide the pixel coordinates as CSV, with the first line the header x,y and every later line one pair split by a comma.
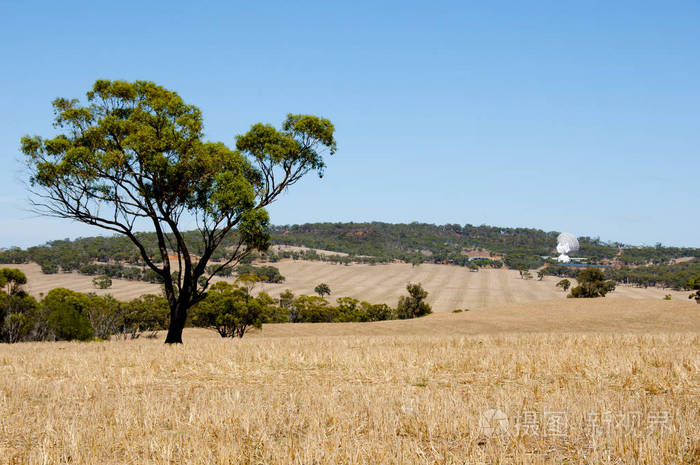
x,y
398,397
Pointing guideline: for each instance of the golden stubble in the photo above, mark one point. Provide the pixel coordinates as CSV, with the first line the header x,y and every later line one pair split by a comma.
x,y
351,399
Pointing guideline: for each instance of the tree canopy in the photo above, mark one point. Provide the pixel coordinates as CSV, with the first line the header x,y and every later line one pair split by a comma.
x,y
135,155
413,305
592,283
322,289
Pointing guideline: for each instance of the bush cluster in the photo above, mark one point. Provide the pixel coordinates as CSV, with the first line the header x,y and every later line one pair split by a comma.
x,y
231,310
265,274
68,315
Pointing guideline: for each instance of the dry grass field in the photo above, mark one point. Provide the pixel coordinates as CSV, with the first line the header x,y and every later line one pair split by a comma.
x,y
39,284
450,287
599,381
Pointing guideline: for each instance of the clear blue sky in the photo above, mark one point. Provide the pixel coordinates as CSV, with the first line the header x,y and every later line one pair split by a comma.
x,y
575,116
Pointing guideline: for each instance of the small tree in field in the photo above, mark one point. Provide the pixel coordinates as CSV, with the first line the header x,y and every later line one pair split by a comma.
x,y
135,155
564,284
413,305
102,282
66,314
322,290
591,283
231,310
694,284
18,310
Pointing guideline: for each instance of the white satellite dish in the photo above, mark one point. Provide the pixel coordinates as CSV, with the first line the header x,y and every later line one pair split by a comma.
x,y
566,243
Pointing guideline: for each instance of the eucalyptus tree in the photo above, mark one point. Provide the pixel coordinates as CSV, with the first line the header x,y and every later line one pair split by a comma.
x,y
135,154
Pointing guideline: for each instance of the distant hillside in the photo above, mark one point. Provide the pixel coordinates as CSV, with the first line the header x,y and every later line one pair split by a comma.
x,y
450,243
378,242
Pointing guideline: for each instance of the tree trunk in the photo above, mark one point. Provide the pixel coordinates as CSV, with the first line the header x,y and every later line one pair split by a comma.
x,y
178,316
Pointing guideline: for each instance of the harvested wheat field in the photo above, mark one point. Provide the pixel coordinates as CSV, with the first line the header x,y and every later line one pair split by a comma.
x,y
413,392
39,284
553,316
450,287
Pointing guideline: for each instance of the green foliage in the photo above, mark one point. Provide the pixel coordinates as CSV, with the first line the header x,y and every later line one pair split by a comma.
x,y
147,313
591,283
349,309
18,325
694,285
105,314
657,255
102,282
265,274
561,271
65,313
287,301
443,243
322,290
224,271
12,279
413,305
312,309
137,151
271,312
17,309
315,309
376,312
49,268
231,310
523,261
525,274
564,284
674,276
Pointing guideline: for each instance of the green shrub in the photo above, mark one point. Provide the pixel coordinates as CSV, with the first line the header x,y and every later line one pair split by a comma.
x,y
592,283
322,290
413,305
65,314
49,268
694,284
231,310
102,282
146,313
312,309
266,274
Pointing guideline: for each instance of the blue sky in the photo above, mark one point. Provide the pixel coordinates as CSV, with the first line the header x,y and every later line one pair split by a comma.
x,y
574,116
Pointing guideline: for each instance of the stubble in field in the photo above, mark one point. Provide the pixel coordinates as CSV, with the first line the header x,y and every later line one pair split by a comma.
x,y
568,398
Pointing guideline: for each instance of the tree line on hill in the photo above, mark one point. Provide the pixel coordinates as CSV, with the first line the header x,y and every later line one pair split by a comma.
x,y
593,282
673,276
231,309
372,243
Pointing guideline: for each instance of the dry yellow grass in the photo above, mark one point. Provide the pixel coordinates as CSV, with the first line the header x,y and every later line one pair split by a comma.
x,y
412,393
450,287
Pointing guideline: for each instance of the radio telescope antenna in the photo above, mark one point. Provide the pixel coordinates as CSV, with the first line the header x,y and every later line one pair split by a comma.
x,y
566,243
